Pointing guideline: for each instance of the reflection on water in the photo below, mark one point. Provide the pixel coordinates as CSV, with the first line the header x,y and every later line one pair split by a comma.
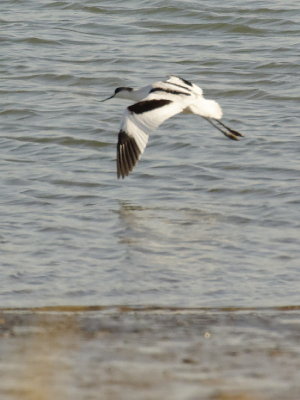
x,y
206,250
166,237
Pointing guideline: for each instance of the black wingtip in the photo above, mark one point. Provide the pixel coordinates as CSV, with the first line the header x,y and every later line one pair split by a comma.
x,y
128,153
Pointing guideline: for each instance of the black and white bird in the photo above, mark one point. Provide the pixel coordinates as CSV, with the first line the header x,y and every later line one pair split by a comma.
x,y
153,105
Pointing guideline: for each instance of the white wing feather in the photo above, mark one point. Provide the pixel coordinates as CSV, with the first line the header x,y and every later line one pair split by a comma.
x,y
176,80
139,120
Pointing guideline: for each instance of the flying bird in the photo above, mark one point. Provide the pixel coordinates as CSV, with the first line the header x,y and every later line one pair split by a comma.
x,y
154,104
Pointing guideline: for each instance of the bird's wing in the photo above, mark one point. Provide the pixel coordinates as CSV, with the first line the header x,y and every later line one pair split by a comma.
x,y
139,120
187,85
180,81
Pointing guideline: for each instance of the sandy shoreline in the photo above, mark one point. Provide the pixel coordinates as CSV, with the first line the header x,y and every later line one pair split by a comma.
x,y
155,353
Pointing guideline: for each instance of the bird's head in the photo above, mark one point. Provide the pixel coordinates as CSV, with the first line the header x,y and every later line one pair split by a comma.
x,y
121,93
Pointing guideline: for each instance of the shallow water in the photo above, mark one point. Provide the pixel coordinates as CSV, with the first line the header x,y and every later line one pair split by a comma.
x,y
202,220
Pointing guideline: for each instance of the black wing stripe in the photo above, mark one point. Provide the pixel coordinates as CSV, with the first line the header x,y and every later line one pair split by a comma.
x,y
119,172
147,105
177,85
185,81
128,154
158,89
126,157
120,163
119,166
123,163
134,150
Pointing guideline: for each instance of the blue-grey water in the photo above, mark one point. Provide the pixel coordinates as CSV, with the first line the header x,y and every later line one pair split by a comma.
x,y
202,220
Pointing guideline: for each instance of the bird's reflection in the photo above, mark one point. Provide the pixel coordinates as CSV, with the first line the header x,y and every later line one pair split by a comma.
x,y
164,235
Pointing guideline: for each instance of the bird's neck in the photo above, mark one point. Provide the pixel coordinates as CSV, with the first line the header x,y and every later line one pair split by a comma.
x,y
137,94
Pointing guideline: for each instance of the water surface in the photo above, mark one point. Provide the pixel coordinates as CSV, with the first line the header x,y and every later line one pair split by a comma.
x,y
202,220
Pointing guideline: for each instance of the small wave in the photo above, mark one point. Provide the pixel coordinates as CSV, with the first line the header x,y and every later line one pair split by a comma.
x,y
63,141
38,41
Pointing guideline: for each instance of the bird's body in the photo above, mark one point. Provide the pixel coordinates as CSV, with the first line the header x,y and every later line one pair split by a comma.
x,y
153,105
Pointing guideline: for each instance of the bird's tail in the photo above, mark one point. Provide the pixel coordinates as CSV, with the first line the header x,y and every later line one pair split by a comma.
x,y
207,109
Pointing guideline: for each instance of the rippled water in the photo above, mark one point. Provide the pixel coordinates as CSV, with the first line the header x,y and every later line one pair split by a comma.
x,y
202,221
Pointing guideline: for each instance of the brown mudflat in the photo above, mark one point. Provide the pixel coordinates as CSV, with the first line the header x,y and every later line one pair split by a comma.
x,y
150,353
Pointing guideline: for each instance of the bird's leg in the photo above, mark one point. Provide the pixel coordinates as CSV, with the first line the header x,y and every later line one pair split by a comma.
x,y
230,133
229,129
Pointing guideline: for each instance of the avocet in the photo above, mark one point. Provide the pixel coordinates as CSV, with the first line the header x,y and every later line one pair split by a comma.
x,y
154,104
